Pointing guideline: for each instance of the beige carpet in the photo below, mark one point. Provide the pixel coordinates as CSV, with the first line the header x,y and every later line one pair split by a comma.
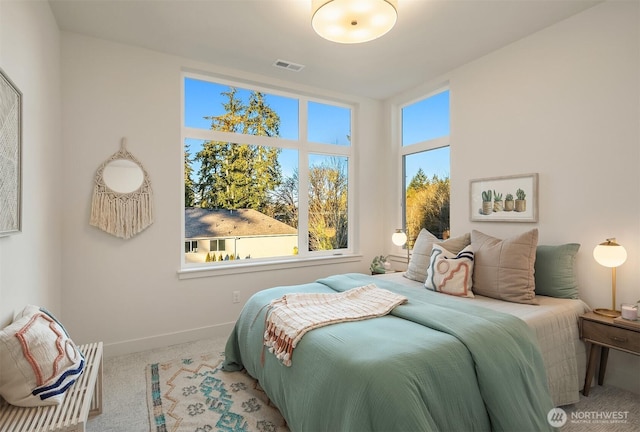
x,y
125,394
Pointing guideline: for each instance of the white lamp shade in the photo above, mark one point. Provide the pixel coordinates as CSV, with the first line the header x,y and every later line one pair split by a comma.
x,y
353,21
399,238
610,254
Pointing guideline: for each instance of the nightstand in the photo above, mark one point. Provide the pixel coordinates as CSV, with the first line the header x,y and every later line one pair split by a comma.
x,y
603,333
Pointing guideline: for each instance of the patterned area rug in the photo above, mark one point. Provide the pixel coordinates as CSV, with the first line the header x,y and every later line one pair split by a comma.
x,y
195,395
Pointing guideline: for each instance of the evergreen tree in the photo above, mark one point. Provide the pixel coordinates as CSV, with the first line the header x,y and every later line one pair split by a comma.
x,y
234,176
418,181
189,187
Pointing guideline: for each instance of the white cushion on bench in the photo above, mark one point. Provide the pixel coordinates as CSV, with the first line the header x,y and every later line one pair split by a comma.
x,y
38,360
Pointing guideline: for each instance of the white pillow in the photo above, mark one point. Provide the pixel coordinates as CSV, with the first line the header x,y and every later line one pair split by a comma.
x,y
417,268
451,273
38,360
421,252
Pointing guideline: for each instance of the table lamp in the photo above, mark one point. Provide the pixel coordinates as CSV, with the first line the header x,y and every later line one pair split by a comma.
x,y
610,254
399,238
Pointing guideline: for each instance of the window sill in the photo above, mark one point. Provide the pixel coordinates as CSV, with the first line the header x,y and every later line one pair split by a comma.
x,y
241,268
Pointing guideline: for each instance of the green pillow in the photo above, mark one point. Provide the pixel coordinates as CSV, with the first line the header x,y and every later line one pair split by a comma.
x,y
554,271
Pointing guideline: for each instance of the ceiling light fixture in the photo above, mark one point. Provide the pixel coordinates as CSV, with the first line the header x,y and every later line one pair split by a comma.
x,y
353,21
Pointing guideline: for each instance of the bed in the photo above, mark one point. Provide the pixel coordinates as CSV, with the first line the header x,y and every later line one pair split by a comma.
x,y
437,362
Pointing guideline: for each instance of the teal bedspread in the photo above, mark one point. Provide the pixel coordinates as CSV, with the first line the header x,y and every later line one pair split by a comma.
x,y
434,364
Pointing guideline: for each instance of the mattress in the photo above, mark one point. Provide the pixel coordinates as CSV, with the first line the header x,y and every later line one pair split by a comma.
x,y
555,323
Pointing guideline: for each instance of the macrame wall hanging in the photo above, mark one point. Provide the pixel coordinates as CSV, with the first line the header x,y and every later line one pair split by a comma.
x,y
122,202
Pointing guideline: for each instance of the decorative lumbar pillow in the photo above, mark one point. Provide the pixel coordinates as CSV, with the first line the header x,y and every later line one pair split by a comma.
x,y
554,270
504,269
421,253
449,273
38,360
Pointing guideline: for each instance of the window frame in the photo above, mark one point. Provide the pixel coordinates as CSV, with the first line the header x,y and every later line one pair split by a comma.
x,y
304,147
415,148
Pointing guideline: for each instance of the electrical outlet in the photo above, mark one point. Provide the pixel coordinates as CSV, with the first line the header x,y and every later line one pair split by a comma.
x,y
236,296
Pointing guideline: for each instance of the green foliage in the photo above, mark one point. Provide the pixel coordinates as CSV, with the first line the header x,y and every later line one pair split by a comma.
x,y
497,196
377,265
189,194
486,196
520,194
509,197
419,180
208,258
234,176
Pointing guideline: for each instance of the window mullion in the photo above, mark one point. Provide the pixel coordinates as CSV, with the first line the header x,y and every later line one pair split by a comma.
x,y
303,181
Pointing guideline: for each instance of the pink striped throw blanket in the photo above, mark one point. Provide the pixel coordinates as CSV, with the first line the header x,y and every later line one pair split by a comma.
x,y
292,315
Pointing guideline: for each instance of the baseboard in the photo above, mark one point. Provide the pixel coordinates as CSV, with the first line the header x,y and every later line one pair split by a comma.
x,y
159,341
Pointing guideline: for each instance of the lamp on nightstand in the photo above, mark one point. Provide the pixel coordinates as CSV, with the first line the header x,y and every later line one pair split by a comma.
x,y
610,254
399,238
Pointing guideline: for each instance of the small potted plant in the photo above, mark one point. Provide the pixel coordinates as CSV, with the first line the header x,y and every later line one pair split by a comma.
x,y
509,204
521,203
487,205
378,265
497,201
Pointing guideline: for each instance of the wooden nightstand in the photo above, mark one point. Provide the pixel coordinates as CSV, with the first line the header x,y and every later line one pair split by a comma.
x,y
604,333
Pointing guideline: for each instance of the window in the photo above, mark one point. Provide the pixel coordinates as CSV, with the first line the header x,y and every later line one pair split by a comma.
x,y
248,153
425,166
191,246
217,245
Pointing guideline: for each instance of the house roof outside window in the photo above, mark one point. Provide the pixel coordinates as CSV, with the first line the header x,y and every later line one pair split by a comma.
x,y
221,223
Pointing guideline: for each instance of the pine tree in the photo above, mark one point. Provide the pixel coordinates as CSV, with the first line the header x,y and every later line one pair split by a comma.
x,y
189,194
418,181
235,176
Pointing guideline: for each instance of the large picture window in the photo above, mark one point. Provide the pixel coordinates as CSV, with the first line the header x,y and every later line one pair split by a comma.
x,y
426,166
245,165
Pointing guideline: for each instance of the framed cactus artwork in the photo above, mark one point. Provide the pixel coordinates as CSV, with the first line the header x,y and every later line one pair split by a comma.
x,y
504,199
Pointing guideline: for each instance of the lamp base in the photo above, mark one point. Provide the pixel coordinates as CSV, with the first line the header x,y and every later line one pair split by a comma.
x,y
607,312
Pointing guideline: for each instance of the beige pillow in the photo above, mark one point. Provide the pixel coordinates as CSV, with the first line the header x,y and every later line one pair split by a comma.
x,y
504,269
421,253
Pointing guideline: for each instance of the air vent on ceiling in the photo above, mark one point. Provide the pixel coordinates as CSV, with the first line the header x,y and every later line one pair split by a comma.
x,y
288,65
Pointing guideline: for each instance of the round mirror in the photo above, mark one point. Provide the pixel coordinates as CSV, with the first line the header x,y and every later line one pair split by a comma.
x,y
123,176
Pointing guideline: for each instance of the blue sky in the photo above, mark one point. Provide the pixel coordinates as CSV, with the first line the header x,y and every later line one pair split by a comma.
x,y
421,121
329,124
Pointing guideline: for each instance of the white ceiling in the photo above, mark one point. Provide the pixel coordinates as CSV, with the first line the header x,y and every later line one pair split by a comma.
x,y
430,38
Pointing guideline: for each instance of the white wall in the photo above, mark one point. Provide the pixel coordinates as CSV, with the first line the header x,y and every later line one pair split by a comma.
x,y
30,263
565,103
127,293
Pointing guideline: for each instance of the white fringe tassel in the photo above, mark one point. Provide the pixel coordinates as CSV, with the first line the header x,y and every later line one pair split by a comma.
x,y
121,214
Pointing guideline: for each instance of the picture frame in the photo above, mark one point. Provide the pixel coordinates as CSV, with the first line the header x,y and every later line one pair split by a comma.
x,y
10,157
523,207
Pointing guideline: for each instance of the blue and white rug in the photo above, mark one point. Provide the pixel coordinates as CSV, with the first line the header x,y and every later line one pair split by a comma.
x,y
196,395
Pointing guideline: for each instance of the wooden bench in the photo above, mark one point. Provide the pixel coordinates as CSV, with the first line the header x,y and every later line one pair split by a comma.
x,y
83,399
